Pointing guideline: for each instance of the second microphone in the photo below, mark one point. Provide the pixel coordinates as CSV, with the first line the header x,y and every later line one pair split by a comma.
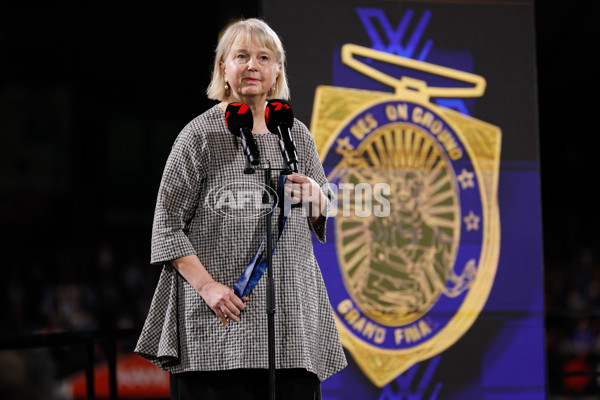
x,y
280,119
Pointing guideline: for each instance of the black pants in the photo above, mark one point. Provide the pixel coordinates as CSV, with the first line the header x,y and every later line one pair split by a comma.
x,y
245,384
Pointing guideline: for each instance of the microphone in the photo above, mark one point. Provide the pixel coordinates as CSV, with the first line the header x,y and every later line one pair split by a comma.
x,y
239,121
280,119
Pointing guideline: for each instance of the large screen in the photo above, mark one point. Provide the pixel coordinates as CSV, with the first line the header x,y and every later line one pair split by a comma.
x,y
424,116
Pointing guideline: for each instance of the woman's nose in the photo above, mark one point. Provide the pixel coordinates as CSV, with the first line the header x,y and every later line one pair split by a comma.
x,y
251,63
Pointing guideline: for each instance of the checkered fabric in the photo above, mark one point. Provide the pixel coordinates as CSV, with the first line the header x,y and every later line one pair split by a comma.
x,y
181,332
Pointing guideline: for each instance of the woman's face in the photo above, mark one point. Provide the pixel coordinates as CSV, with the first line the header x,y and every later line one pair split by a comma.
x,y
250,71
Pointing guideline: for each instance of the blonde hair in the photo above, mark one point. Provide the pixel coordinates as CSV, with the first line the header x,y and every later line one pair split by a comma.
x,y
258,32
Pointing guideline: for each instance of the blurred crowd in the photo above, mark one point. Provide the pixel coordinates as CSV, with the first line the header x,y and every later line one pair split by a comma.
x,y
572,291
42,299
116,296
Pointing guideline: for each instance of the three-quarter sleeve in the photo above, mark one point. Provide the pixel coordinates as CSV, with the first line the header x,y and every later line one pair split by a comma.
x,y
178,196
314,169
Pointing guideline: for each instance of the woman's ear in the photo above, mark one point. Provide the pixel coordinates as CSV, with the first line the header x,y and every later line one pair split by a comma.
x,y
277,73
222,69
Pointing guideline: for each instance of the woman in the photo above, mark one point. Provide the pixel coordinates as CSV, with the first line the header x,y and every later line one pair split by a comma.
x,y
203,252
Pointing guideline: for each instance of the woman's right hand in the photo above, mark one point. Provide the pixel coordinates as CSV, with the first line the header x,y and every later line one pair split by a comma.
x,y
223,301
220,298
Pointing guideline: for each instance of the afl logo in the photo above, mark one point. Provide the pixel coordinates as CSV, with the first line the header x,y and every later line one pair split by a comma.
x,y
241,199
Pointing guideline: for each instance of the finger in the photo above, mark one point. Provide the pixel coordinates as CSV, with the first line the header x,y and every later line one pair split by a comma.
x,y
232,312
295,198
308,188
294,187
232,317
292,195
245,298
296,178
222,317
290,187
225,311
238,303
291,178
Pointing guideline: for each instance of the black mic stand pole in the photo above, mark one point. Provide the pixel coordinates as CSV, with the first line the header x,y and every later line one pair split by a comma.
x,y
270,293
270,280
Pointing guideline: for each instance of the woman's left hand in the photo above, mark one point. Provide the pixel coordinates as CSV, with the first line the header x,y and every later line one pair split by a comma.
x,y
303,189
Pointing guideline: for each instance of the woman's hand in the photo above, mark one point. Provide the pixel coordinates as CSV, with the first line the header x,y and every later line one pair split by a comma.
x,y
223,301
220,298
303,189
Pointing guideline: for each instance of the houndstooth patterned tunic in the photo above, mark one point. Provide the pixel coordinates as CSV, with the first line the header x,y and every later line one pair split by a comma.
x,y
181,332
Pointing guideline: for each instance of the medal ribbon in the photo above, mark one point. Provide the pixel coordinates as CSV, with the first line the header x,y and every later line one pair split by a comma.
x,y
256,268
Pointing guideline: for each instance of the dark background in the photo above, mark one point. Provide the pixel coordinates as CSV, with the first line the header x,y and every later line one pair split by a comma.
x,y
92,96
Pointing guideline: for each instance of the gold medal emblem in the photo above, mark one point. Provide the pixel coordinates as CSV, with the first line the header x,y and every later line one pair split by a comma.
x,y
413,281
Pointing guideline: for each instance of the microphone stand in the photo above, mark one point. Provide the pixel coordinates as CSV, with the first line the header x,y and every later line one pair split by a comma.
x,y
270,294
